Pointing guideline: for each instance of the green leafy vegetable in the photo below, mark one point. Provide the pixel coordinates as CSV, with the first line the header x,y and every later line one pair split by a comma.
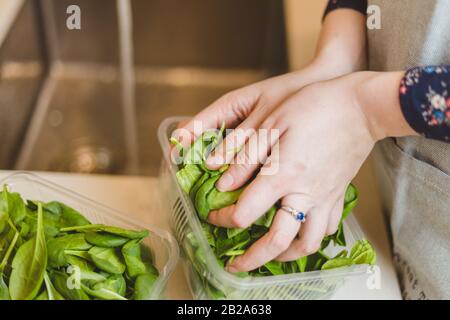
x,y
28,266
198,182
52,293
50,251
61,280
104,239
67,216
107,259
4,291
130,234
144,285
11,206
102,293
362,253
115,283
131,253
56,248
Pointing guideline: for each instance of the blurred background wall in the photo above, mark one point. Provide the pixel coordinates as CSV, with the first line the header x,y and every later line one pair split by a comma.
x,y
303,21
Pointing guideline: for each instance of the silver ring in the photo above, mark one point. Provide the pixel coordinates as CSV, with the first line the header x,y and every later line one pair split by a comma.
x,y
296,214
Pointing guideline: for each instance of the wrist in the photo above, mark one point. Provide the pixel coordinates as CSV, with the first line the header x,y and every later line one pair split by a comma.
x,y
378,98
328,69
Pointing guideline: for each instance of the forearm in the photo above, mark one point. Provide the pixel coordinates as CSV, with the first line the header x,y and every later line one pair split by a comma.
x,y
341,50
342,43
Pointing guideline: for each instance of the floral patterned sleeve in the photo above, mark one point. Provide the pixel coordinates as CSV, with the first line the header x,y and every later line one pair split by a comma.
x,y
425,101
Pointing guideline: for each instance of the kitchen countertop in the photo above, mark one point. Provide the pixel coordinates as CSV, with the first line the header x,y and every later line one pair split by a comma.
x,y
138,197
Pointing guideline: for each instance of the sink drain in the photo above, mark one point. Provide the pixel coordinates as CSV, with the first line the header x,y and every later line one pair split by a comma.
x,y
89,159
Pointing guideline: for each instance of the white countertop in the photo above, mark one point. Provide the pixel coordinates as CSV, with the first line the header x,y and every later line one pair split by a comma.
x,y
138,196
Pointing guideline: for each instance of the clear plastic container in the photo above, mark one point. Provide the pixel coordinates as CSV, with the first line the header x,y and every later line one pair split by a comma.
x,y
208,280
162,243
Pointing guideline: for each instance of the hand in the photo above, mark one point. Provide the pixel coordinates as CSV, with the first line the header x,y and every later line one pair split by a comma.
x,y
326,132
259,100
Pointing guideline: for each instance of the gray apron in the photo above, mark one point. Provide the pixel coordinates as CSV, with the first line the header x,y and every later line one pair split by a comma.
x,y
414,173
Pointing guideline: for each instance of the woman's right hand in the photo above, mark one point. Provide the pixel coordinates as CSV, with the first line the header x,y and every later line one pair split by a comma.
x,y
258,100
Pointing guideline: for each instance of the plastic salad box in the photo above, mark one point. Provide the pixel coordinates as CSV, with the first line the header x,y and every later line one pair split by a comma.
x,y
161,243
208,280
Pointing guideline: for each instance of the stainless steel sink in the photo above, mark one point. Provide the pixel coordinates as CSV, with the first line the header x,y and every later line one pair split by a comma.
x,y
187,54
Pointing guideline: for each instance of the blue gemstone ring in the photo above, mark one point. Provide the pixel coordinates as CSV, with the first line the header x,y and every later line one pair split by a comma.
x,y
296,214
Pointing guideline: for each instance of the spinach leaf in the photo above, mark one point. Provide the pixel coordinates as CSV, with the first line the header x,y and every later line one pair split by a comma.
x,y
78,253
274,267
350,200
130,234
28,265
207,230
131,253
52,293
3,220
200,149
115,283
231,244
337,263
266,219
92,276
302,263
42,296
218,200
143,286
103,293
81,263
60,280
4,291
193,191
56,248
201,204
363,253
187,177
232,232
67,216
103,239
4,212
107,259
12,204
150,268
5,239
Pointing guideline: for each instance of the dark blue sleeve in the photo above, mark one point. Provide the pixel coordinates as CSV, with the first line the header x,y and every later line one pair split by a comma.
x,y
358,5
425,101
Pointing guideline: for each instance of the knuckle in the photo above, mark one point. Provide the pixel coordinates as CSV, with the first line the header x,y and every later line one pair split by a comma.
x,y
238,221
244,160
331,230
279,241
239,171
308,247
268,123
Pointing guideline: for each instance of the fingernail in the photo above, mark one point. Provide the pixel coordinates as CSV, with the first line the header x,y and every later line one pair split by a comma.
x,y
225,182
